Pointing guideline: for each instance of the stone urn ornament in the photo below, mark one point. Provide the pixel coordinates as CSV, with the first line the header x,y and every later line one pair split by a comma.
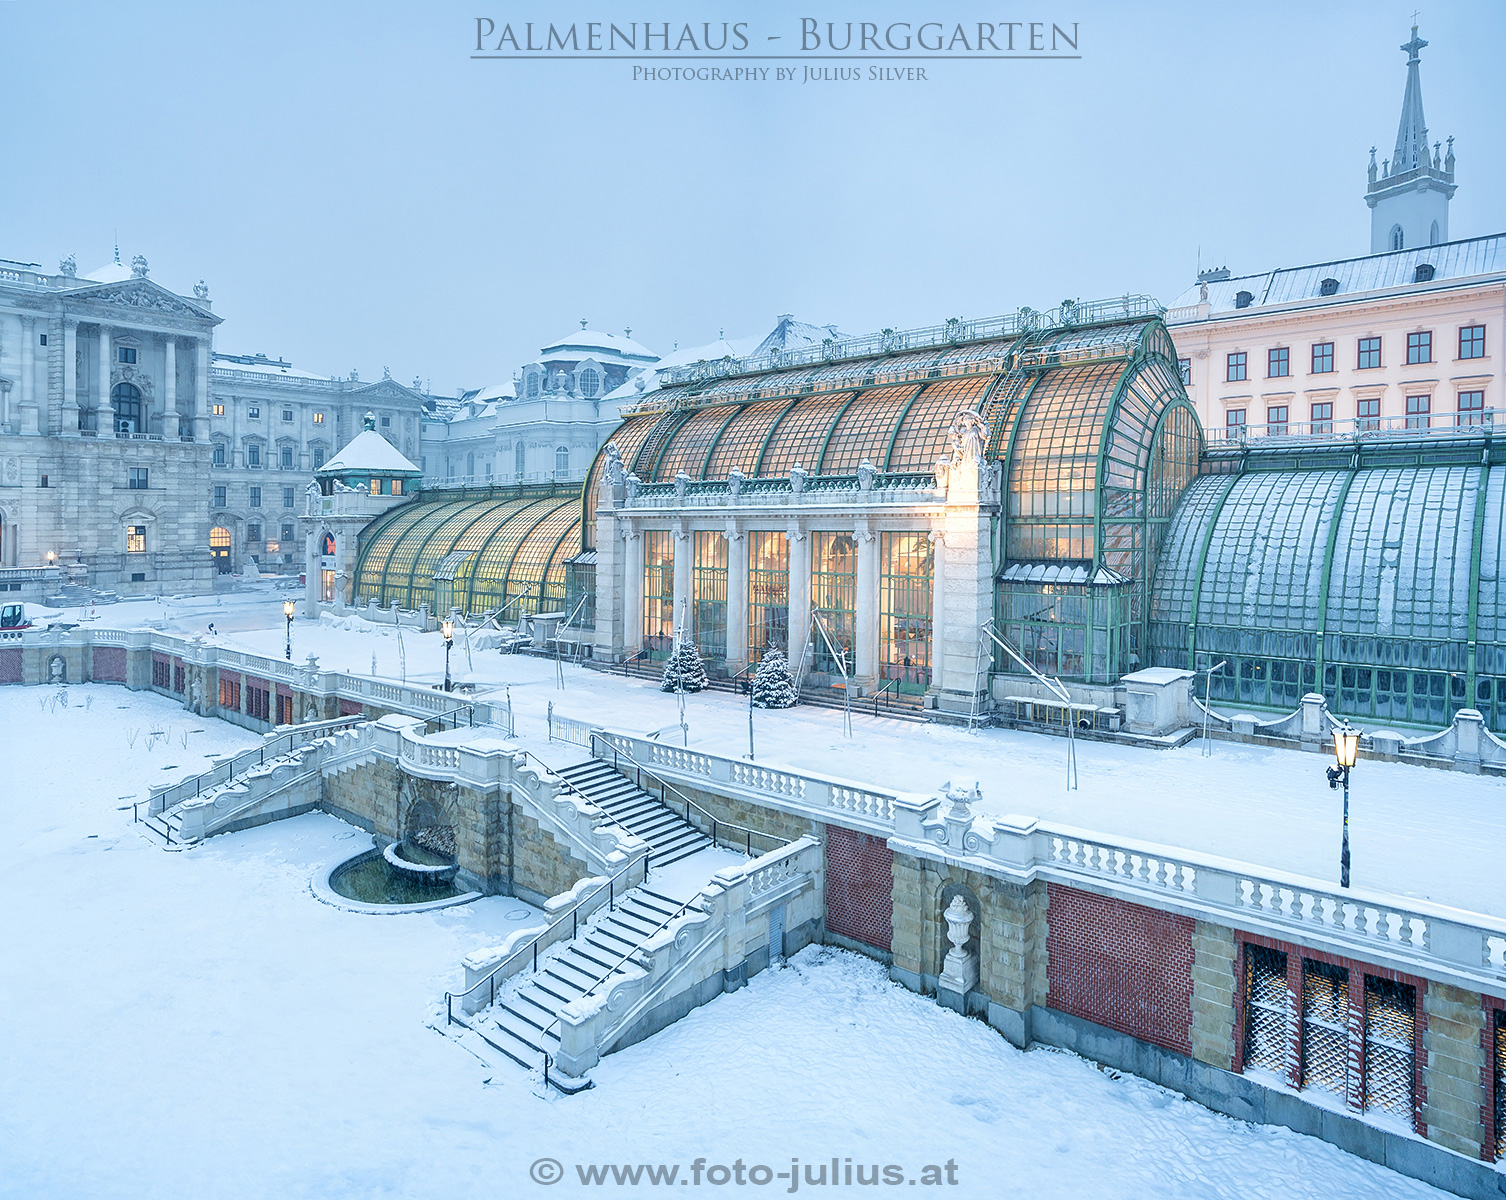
x,y
960,971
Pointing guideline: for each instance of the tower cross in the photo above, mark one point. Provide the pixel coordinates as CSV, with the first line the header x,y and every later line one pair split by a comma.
x,y
1411,48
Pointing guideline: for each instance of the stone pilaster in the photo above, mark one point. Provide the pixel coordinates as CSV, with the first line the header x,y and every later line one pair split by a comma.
x,y
865,620
103,411
737,598
1213,995
800,597
1454,1045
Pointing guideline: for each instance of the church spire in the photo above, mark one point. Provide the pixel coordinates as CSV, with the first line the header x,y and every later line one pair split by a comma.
x,y
1412,133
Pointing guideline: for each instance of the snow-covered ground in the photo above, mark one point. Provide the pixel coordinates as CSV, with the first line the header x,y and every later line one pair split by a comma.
x,y
199,1024
1414,831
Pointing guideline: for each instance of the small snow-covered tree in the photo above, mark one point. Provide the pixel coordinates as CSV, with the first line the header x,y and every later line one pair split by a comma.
x,y
684,670
772,686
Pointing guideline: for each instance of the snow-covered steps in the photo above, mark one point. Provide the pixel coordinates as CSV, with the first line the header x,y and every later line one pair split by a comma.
x,y
523,1022
669,835
210,811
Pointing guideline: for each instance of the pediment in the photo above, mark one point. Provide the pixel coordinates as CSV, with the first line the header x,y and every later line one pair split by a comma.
x,y
388,388
142,294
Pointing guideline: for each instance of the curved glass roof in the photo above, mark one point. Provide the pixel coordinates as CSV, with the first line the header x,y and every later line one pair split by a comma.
x,y
495,547
1380,559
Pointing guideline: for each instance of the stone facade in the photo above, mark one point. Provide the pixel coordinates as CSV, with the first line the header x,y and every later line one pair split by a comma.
x,y
1456,1066
1213,991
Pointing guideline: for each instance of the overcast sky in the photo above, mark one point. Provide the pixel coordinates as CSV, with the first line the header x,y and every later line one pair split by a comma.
x,y
359,193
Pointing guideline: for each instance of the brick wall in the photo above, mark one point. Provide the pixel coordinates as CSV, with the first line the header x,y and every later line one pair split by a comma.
x,y
10,665
859,887
1121,965
109,664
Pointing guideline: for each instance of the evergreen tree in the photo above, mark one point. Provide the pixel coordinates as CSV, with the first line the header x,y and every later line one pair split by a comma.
x,y
684,670
773,686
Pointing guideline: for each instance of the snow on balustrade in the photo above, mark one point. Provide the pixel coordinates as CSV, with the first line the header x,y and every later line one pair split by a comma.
x,y
680,760
1385,924
765,779
870,804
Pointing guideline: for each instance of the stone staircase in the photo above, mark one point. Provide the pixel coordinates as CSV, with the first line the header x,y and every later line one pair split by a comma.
x,y
669,835
230,798
523,1021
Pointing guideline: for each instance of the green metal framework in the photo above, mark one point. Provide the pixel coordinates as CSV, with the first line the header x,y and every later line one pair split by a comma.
x,y
768,592
906,589
709,593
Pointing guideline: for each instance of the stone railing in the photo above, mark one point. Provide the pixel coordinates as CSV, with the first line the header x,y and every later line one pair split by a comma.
x,y
819,797
1414,936
709,936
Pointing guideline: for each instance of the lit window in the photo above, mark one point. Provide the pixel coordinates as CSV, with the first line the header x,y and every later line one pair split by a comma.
x,y
1370,353
1235,367
1369,414
256,497
397,487
1472,408
376,487
273,547
217,409
1420,347
1275,420
253,455
125,354
219,496
1472,341
1184,368
1278,362
1322,358
139,478
135,539
318,418
253,532
1418,408
287,532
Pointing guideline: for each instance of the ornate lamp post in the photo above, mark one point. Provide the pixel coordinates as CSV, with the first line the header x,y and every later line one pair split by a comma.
x,y
287,612
447,628
1346,745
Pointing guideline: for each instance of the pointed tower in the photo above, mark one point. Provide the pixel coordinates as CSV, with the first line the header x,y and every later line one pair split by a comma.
x,y
1409,196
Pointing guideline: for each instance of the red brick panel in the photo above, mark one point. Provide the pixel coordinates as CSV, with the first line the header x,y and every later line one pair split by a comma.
x,y
350,708
859,887
109,664
1121,965
10,665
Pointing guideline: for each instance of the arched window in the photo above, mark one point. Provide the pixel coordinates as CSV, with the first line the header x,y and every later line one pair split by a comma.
x,y
533,384
470,466
329,543
1398,241
125,399
562,460
590,382
1433,236
520,459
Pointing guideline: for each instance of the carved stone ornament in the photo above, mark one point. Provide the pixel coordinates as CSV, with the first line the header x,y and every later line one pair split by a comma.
x,y
798,476
960,971
735,482
866,473
137,296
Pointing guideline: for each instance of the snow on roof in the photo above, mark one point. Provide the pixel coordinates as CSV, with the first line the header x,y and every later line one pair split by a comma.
x,y
790,334
115,272
592,343
1394,268
369,451
260,364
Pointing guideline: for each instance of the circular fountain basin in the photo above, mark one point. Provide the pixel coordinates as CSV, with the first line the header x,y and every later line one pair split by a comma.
x,y
369,883
419,864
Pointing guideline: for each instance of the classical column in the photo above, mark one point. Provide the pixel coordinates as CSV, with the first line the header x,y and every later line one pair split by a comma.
x,y
684,608
800,596
102,404
170,384
865,604
737,598
937,538
201,389
69,401
26,416
632,590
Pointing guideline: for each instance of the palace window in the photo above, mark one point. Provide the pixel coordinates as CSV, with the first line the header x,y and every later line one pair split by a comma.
x,y
219,496
519,459
1328,287
906,582
562,460
318,418
590,383
288,497
1472,341
318,457
1398,239
1425,271
287,415
386,421
255,497
287,458
253,412
253,531
217,410
1390,1054
1234,422
1368,412
135,539
1418,408
1369,353
533,384
1420,347
1322,358
1275,420
709,584
125,354
1323,417
1472,408
1279,362
253,455
1184,369
287,532
1235,367
140,479
1325,1026
219,454
834,589
230,693
658,593
768,593
125,399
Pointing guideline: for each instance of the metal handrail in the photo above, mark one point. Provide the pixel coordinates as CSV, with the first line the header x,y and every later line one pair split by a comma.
x,y
468,709
576,791
716,822
632,658
890,685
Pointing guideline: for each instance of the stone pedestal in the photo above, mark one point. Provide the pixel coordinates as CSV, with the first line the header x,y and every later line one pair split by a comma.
x,y
959,973
1158,700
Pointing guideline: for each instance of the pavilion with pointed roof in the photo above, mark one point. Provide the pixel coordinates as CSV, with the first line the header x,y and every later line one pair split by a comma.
x,y
369,463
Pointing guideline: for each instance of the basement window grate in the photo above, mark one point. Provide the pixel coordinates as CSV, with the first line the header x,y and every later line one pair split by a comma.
x,y
1325,1026
1267,1005
1390,1022
1500,1057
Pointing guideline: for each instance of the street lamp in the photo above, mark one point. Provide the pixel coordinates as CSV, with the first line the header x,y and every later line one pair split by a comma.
x,y
287,611
1346,745
447,628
